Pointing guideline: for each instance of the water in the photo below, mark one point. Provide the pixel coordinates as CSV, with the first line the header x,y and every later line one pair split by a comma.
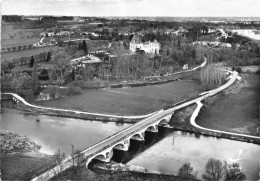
x,y
164,151
169,153
54,133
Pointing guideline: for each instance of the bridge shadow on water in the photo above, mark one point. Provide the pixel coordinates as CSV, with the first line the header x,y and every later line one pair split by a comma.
x,y
137,147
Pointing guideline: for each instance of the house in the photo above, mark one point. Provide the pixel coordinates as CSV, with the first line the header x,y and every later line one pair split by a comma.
x,y
88,59
94,34
148,47
185,66
63,33
50,33
226,45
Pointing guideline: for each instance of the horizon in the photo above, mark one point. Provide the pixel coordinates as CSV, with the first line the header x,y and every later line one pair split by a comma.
x,y
133,8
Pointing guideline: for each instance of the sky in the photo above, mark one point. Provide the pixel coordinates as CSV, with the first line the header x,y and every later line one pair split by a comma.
x,y
174,8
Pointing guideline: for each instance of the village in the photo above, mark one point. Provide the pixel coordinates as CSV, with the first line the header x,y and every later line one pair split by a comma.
x,y
129,98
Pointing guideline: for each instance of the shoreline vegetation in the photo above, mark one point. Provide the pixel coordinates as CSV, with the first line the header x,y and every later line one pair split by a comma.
x,y
102,171
179,125
179,121
21,158
17,150
11,143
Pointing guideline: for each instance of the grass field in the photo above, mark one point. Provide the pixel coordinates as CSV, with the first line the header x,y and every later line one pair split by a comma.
x,y
13,35
8,56
22,166
130,101
237,112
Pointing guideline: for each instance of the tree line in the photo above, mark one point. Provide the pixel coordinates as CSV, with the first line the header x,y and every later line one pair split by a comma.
x,y
215,170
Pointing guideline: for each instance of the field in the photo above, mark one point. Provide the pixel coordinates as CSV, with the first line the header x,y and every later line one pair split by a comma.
x,y
238,112
14,35
127,101
21,166
8,56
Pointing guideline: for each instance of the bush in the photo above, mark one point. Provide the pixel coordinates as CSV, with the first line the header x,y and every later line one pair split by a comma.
x,y
56,91
53,91
89,84
237,69
70,91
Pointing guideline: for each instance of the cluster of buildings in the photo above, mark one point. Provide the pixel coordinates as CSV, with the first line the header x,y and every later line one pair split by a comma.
x,y
213,44
61,33
88,59
136,44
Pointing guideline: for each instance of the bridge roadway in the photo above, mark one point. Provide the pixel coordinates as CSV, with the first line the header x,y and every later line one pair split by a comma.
x,y
104,150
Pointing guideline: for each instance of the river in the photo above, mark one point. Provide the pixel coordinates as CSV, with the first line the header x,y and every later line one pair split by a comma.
x,y
165,151
167,154
54,133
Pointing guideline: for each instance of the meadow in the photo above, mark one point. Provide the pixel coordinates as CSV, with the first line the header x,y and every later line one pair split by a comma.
x,y
236,112
8,56
127,101
14,35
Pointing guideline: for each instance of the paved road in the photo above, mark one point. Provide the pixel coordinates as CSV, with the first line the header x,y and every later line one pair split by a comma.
x,y
96,114
193,123
111,141
77,112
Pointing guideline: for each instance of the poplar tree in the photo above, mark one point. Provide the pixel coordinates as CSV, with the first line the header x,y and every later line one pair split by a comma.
x,y
85,47
32,61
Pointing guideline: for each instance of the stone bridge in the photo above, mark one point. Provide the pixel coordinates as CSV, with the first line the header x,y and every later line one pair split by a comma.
x,y
104,150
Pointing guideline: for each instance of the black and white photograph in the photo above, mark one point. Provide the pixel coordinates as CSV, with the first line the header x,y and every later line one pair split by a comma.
x,y
130,90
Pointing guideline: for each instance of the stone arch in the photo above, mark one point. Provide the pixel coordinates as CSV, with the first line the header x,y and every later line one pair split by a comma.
x,y
152,128
99,157
163,122
122,145
138,136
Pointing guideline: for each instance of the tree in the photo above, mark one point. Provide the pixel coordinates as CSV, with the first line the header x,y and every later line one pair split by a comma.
x,y
60,42
179,44
22,81
193,54
61,61
186,171
48,57
32,61
79,46
234,173
214,170
85,47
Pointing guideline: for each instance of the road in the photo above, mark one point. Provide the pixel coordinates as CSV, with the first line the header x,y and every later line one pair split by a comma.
x,y
110,142
90,113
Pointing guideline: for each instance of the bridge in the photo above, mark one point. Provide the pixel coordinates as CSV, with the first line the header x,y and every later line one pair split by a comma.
x,y
103,150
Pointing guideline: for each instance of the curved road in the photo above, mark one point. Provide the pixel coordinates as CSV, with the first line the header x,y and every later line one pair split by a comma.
x,y
105,146
90,113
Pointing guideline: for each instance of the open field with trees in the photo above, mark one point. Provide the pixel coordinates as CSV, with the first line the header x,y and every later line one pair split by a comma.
x,y
9,56
14,35
130,101
235,112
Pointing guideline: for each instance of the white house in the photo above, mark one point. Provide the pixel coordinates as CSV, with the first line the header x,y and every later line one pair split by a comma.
x,y
147,47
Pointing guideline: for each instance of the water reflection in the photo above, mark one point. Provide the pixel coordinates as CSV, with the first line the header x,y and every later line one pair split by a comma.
x,y
54,133
169,153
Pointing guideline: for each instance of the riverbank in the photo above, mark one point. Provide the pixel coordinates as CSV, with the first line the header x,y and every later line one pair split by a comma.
x,y
20,157
236,109
115,105
11,143
127,101
101,171
183,124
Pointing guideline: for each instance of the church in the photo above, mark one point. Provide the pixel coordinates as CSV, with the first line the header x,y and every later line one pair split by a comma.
x,y
148,47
